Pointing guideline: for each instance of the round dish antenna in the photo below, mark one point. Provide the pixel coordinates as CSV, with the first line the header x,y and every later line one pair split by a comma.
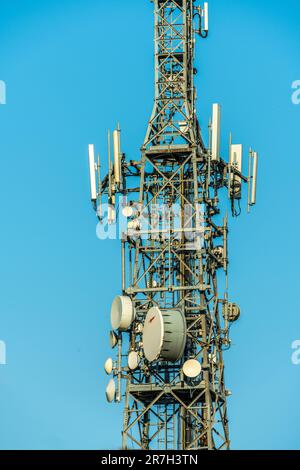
x,y
128,211
113,339
164,335
192,369
122,313
111,391
133,360
108,366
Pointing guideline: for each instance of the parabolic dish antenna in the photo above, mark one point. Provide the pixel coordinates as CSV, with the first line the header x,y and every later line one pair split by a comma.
x,y
164,335
122,313
192,369
128,211
133,360
111,391
108,366
113,339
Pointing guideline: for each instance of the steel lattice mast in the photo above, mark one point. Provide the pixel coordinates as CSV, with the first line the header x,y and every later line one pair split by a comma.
x,y
174,250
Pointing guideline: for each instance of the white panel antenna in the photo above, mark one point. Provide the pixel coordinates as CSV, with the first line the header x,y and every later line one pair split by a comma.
x,y
92,172
216,133
117,155
236,156
205,17
254,180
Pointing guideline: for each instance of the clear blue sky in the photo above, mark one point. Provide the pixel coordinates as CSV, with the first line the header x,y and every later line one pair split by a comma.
x,y
73,68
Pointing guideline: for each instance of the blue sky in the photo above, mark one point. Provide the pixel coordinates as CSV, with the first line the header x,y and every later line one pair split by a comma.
x,y
73,68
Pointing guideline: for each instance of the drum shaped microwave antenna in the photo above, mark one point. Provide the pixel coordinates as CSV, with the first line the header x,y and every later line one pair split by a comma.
x,y
122,313
164,336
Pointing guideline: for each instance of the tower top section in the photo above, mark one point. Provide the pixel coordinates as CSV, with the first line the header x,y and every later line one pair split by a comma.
x,y
174,121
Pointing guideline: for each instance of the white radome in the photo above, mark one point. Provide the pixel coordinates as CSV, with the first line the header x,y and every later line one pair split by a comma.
x,y
113,339
108,366
111,391
128,211
192,369
122,313
153,335
133,360
164,335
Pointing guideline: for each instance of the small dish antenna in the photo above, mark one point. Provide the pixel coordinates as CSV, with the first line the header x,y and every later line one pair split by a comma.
x,y
133,360
113,339
128,211
108,366
192,369
122,313
231,312
111,391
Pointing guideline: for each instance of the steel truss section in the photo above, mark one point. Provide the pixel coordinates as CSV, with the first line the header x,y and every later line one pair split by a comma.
x,y
174,254
173,118
169,269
